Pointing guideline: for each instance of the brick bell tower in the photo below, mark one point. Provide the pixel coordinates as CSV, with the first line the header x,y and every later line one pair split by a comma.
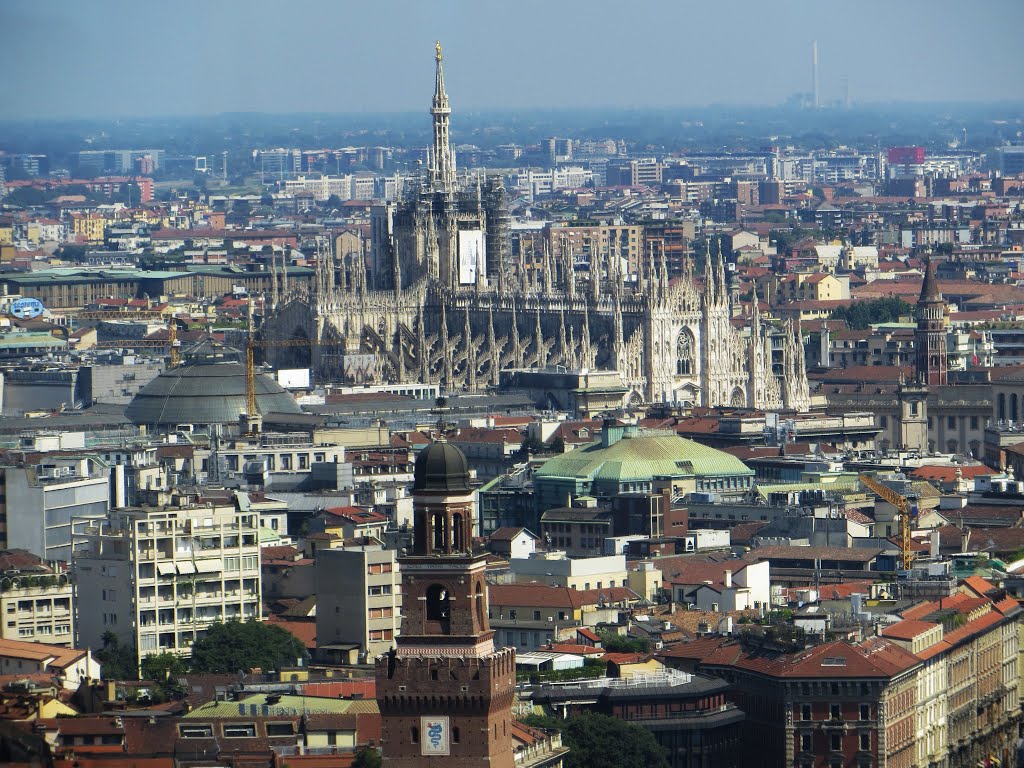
x,y
930,336
444,692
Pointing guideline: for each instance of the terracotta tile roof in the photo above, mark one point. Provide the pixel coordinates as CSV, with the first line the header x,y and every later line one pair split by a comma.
x,y
979,586
908,629
305,631
581,650
948,474
60,657
508,533
877,658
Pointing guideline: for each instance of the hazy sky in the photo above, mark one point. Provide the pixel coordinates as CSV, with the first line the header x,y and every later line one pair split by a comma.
x,y
136,57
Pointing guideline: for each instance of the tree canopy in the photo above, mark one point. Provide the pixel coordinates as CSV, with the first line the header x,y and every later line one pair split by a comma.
x,y
600,741
233,646
118,661
618,644
861,315
366,757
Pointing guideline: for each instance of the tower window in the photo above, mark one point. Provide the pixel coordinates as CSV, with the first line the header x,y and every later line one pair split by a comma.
x,y
437,604
455,734
414,735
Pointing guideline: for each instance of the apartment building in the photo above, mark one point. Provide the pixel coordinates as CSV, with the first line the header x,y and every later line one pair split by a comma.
x,y
35,601
359,601
38,502
939,687
159,577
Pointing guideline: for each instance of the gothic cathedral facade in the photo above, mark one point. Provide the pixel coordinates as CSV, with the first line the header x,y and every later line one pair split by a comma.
x,y
439,298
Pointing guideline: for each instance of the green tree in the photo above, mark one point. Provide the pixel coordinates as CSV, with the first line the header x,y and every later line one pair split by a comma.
x,y
618,644
163,666
118,661
233,646
366,757
600,741
333,203
861,315
530,446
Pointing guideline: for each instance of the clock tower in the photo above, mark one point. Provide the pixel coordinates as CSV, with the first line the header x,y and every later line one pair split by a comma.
x,y
445,692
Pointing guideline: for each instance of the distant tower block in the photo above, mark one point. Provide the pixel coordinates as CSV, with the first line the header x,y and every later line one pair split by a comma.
x,y
814,74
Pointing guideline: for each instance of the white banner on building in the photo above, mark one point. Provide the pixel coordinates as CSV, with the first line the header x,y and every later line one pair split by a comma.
x,y
472,256
434,735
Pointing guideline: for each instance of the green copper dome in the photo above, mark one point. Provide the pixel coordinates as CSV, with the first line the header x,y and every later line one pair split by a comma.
x,y
638,458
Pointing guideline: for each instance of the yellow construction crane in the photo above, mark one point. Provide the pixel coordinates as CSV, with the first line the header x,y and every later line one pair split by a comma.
x,y
250,363
173,343
906,510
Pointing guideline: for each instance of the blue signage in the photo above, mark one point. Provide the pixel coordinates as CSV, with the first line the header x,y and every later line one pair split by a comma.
x,y
26,309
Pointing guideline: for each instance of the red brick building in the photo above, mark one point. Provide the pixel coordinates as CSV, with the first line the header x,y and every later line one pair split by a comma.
x,y
445,693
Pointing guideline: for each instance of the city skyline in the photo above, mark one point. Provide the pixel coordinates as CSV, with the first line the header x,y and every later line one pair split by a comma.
x,y
102,59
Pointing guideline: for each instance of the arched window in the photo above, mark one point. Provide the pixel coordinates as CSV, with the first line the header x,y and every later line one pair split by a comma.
x,y
738,399
1002,406
437,605
481,605
438,526
685,346
458,545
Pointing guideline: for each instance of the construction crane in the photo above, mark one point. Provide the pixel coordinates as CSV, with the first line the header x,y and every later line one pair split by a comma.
x,y
172,342
906,510
250,363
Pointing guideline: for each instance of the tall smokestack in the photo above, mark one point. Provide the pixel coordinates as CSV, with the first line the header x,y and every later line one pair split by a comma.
x,y
814,73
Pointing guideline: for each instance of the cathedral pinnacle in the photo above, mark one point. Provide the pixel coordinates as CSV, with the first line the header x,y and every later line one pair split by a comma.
x,y
442,159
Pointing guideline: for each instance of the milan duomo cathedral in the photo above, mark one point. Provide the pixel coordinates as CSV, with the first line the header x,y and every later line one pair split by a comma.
x,y
440,300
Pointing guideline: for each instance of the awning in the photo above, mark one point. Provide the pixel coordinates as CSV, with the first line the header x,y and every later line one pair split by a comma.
x,y
186,566
209,566
165,569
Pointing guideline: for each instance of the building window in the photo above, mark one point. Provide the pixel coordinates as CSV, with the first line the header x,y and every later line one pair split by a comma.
x,y
805,712
834,711
536,615
836,742
240,731
951,422
437,603
414,735
805,742
455,734
865,742
865,711
196,731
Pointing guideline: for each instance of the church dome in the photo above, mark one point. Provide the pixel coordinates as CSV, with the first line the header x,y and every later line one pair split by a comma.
x,y
441,467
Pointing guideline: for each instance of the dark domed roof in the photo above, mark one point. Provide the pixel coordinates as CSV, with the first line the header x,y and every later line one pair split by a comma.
x,y
441,467
205,392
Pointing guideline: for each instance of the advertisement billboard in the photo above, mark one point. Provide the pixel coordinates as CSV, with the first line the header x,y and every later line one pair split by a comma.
x,y
472,259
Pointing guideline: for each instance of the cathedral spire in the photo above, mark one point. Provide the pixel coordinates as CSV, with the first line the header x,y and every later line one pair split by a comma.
x,y
442,159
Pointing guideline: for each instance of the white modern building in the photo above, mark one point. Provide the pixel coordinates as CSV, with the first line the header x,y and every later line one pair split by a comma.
x,y
159,577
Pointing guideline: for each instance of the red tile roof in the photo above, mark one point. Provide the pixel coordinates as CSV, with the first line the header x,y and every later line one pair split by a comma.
x,y
908,629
